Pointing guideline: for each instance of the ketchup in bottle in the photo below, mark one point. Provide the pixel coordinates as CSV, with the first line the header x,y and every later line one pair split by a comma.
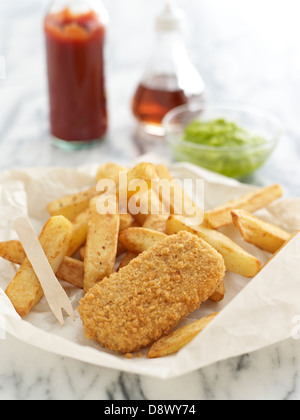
x,y
75,39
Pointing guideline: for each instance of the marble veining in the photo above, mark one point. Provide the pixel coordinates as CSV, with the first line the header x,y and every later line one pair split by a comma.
x,y
247,52
27,373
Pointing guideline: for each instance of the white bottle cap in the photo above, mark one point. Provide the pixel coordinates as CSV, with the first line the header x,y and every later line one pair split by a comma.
x,y
171,19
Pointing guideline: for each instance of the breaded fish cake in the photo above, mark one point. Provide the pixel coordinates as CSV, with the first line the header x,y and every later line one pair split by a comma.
x,y
146,299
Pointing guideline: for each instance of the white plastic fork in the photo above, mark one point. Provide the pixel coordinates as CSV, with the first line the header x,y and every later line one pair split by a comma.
x,y
54,292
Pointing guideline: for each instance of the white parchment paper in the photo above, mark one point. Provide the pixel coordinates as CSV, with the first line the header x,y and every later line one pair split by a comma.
x,y
254,314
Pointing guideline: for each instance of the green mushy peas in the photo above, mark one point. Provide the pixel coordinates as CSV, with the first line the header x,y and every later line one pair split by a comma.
x,y
220,133
227,136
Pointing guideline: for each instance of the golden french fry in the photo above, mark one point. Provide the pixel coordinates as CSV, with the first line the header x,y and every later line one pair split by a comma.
x,y
178,339
101,246
79,232
164,173
219,294
25,290
82,253
78,238
138,240
237,260
127,259
126,221
141,172
72,205
147,203
142,199
221,216
177,201
12,251
120,250
110,171
157,222
70,271
264,235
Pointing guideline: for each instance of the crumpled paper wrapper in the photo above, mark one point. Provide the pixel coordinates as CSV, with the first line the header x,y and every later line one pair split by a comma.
x,y
254,314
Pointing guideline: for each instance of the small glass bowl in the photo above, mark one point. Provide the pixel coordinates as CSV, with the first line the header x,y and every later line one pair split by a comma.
x,y
235,162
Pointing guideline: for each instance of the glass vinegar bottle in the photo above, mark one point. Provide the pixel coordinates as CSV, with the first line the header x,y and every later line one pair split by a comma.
x,y
170,79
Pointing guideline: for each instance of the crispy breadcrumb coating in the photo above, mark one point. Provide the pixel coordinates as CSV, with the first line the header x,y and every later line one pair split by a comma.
x,y
148,298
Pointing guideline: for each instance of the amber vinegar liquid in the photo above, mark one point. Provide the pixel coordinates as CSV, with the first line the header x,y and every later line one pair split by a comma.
x,y
151,105
154,100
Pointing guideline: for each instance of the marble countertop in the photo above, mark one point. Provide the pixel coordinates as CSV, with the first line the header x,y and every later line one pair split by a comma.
x,y
247,53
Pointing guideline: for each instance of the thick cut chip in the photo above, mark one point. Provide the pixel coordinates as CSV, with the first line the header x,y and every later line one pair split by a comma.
x,y
264,235
25,290
145,172
221,216
178,339
138,240
110,171
178,202
70,271
219,293
12,251
157,222
79,232
142,199
72,205
101,246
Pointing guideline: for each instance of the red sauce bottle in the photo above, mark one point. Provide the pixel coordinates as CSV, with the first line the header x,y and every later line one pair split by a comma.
x,y
75,41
